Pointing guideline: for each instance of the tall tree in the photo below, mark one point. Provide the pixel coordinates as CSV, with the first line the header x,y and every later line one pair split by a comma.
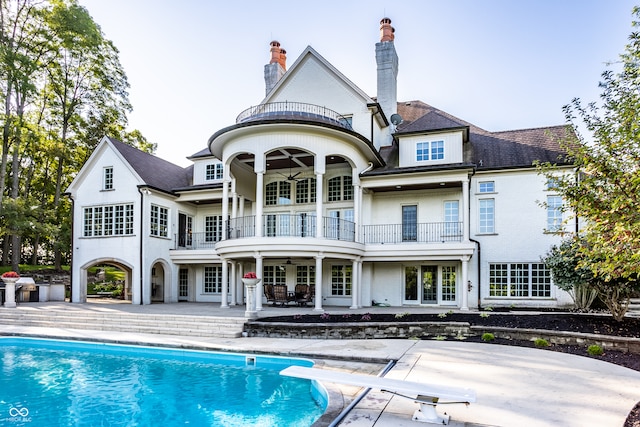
x,y
606,190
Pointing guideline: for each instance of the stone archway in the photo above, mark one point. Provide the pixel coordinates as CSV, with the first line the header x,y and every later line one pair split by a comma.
x,y
80,295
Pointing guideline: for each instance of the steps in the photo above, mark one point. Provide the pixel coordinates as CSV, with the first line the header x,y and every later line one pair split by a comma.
x,y
170,324
634,306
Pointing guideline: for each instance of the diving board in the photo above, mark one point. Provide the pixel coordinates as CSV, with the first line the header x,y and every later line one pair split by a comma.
x,y
426,395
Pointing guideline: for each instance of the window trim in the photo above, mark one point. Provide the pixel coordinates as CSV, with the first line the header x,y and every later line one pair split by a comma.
x,y
107,178
116,220
430,151
538,277
493,216
159,221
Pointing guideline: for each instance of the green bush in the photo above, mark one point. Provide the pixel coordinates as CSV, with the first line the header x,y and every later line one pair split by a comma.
x,y
595,350
541,342
488,337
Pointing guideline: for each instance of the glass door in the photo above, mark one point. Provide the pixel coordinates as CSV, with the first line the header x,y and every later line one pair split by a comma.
x,y
429,284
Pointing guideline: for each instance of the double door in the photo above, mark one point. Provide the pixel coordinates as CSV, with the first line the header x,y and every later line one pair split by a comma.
x,y
431,284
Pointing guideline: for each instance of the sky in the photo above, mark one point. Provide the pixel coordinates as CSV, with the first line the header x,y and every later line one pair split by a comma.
x,y
194,65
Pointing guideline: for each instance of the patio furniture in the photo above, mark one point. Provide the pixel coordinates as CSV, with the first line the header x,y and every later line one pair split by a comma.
x,y
282,296
268,293
304,294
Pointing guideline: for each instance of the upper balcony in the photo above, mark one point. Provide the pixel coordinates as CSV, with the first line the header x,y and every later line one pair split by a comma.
x,y
305,226
293,111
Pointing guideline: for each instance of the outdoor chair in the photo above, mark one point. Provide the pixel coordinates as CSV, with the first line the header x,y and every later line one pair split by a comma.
x,y
303,294
281,295
268,293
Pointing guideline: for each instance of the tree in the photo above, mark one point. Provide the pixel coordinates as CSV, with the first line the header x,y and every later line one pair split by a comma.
x,y
568,275
605,191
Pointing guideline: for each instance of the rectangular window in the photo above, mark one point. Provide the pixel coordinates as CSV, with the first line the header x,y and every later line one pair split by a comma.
x,y
213,228
213,172
274,275
212,280
340,188
422,151
159,221
433,150
107,181
107,220
334,190
486,221
305,275
437,150
341,280
519,280
486,187
306,191
278,193
554,213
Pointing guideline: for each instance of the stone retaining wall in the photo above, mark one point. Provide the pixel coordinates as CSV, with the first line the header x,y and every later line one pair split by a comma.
x,y
379,330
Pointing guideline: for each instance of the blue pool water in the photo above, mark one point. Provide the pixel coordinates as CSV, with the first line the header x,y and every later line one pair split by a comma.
x,y
63,383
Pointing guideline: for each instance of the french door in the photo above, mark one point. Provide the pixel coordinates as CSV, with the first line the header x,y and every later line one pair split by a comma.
x,y
430,284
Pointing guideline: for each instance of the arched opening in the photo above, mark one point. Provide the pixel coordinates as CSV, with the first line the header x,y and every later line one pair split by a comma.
x,y
158,283
106,281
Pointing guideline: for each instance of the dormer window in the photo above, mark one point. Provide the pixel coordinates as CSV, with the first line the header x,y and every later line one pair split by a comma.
x,y
431,150
107,178
213,172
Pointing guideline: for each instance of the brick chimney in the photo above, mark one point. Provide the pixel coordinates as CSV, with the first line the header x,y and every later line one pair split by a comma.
x,y
276,67
387,61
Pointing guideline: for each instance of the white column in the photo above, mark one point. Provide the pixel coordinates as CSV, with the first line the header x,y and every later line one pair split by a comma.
x,y
464,285
319,221
225,209
234,199
355,285
260,286
357,203
465,210
224,300
241,202
259,205
318,296
233,282
240,284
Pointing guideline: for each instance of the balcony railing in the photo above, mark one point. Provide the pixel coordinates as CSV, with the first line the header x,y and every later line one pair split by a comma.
x,y
196,240
428,232
293,110
304,226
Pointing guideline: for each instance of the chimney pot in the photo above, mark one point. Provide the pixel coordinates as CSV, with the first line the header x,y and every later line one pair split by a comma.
x,y
386,30
275,52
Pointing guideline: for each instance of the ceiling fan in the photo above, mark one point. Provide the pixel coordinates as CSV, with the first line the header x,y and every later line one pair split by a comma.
x,y
291,177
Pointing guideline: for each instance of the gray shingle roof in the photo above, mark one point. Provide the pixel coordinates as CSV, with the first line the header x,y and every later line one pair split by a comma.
x,y
487,150
154,171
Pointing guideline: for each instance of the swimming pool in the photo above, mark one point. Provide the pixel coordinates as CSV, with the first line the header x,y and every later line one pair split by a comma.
x,y
66,383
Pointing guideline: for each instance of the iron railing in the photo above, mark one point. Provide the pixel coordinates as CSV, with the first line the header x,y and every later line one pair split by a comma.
x,y
305,225
286,109
428,232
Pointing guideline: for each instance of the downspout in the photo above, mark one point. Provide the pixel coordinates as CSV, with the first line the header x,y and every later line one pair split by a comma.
x,y
73,213
142,193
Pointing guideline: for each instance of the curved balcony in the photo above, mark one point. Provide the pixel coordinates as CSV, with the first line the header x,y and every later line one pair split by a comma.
x,y
291,111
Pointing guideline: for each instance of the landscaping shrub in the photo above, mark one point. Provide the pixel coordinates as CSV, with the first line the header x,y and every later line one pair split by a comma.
x,y
488,337
595,350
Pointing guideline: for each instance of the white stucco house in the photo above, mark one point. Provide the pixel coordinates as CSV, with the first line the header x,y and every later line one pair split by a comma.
x,y
363,198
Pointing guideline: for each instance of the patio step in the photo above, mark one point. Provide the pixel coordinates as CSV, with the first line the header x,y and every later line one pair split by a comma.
x,y
183,325
634,305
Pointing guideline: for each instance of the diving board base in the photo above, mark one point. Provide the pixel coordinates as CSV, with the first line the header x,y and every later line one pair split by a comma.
x,y
426,395
427,414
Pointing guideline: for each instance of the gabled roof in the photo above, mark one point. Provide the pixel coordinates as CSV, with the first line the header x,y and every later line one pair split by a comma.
x,y
154,171
308,53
